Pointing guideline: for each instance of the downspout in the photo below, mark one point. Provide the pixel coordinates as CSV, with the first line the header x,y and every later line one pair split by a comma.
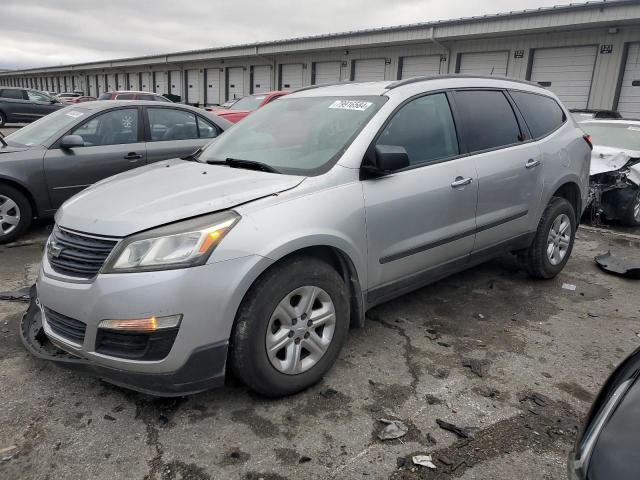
x,y
432,39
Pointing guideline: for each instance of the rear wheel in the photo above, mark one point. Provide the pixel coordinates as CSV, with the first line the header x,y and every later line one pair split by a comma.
x,y
627,204
15,213
290,327
551,247
3,119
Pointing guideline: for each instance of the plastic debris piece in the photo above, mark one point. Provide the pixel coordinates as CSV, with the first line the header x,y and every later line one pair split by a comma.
x,y
424,460
394,429
569,286
8,453
328,392
619,264
20,295
459,431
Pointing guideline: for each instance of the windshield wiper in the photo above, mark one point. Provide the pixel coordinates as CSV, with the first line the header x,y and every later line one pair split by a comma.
x,y
2,140
248,164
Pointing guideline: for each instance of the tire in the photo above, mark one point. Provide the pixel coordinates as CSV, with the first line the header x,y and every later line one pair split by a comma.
x,y
258,323
627,202
3,119
13,205
537,260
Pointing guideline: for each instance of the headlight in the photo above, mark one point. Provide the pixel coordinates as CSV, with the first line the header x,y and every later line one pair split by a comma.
x,y
179,245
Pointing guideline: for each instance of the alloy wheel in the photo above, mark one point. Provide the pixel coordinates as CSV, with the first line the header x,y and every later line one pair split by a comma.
x,y
9,215
559,239
300,330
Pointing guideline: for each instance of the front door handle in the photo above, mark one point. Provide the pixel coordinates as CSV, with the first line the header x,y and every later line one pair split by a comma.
x,y
132,157
531,163
461,182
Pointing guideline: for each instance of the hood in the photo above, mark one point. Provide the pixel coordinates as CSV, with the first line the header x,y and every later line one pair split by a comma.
x,y
221,112
608,159
11,149
165,192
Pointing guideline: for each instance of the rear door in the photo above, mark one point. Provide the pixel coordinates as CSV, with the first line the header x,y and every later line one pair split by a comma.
x,y
420,219
15,104
39,104
113,144
509,166
174,132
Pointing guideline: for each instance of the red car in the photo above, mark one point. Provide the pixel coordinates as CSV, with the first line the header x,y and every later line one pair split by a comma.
x,y
246,105
133,95
80,99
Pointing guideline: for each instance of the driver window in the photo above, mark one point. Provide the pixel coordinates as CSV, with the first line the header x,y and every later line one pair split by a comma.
x,y
110,128
425,128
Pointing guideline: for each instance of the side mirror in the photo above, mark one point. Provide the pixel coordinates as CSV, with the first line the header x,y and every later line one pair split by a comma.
x,y
71,141
387,159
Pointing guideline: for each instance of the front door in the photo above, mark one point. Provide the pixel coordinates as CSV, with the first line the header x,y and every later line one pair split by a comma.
x,y
113,144
420,220
509,168
39,104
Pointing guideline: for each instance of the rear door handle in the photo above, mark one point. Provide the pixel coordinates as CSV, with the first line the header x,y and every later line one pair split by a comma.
x,y
133,157
531,163
461,182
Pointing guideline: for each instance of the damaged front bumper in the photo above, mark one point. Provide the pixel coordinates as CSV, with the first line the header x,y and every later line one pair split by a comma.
x,y
204,369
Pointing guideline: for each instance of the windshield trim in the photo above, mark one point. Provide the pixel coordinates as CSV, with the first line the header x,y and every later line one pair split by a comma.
x,y
333,160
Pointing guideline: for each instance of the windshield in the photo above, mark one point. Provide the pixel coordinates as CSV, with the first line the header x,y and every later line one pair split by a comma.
x,y
250,103
298,136
621,135
38,132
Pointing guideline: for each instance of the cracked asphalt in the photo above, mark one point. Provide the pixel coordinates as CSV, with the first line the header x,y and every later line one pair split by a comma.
x,y
513,362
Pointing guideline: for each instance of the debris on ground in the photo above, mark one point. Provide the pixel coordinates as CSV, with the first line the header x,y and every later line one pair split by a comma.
x,y
569,286
536,398
304,459
474,365
619,264
394,429
459,431
328,392
8,453
488,392
423,460
20,295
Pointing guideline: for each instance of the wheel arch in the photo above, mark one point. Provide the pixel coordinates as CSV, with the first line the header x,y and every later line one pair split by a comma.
x,y
570,191
25,191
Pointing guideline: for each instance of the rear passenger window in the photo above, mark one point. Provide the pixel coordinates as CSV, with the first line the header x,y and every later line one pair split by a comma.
x,y
171,124
13,94
425,128
206,129
489,120
542,114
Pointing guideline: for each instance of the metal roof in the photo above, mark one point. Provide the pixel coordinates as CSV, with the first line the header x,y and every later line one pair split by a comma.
x,y
600,4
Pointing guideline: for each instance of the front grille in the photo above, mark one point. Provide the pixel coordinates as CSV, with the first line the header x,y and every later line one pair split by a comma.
x,y
66,327
76,254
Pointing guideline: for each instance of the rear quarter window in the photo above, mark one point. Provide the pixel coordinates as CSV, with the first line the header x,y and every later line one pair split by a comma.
x,y
542,114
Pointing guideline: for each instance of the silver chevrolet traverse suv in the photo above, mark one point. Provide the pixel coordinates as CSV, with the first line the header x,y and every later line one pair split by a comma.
x,y
260,253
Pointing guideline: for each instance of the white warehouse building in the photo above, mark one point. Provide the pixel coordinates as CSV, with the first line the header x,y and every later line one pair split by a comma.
x,y
588,54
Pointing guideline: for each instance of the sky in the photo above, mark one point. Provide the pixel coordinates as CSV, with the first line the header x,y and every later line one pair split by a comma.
x,y
37,33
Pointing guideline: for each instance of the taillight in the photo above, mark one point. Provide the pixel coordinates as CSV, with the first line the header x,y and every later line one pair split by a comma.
x,y
587,138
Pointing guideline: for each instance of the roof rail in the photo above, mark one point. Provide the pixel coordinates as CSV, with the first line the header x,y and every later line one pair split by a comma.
x,y
408,81
319,85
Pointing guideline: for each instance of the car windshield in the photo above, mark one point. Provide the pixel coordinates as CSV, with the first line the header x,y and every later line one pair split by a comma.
x,y
620,135
298,136
38,132
250,103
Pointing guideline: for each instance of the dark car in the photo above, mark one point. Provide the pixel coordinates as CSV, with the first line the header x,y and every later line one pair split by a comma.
x,y
45,163
18,105
133,95
607,446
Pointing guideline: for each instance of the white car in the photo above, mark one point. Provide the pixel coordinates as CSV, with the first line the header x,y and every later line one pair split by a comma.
x,y
615,169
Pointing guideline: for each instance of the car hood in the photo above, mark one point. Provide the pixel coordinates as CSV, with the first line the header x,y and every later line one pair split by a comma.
x,y
609,159
165,192
221,112
12,149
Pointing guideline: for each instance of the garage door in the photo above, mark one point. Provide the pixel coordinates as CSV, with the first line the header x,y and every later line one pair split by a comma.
x,y
369,70
91,85
484,63
176,83
101,84
567,72
629,100
236,82
145,82
418,66
213,86
111,83
161,82
291,76
134,80
193,87
261,79
326,72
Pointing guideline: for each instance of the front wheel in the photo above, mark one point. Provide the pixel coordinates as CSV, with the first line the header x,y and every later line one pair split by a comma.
x,y
551,247
290,327
627,202
15,214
